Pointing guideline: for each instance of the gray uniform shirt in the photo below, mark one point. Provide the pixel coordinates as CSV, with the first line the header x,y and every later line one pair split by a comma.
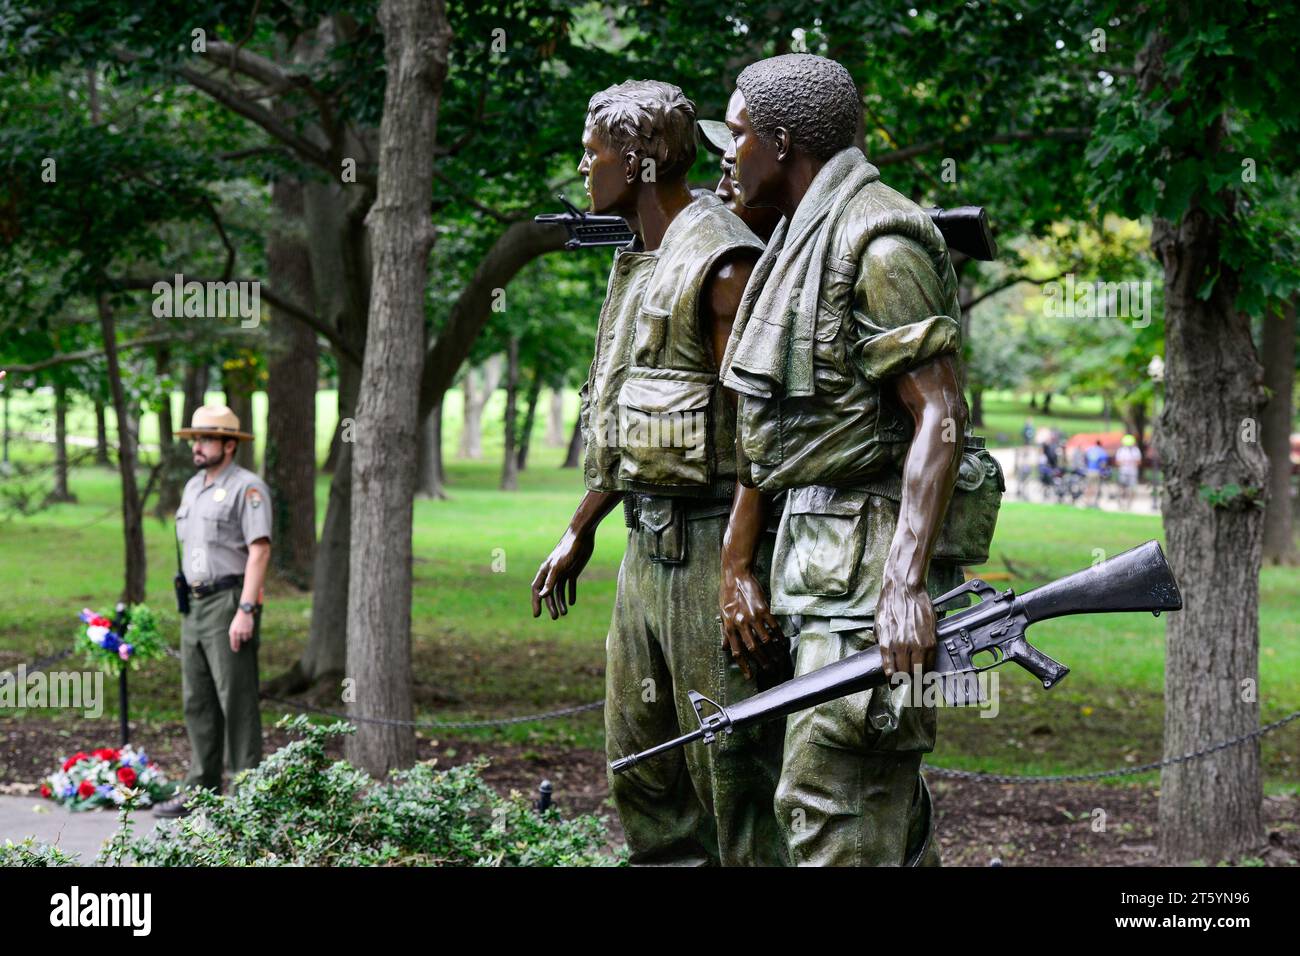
x,y
217,523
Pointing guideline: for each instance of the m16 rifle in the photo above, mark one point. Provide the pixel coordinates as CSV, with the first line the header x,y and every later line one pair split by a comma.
x,y
1137,580
965,229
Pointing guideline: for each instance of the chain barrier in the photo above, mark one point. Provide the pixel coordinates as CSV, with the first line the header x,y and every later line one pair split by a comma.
x,y
1102,774
42,663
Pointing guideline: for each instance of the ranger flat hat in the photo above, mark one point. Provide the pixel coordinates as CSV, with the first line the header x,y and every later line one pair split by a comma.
x,y
714,136
216,420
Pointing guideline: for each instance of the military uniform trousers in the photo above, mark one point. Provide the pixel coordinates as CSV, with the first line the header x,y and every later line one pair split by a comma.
x,y
851,794
702,804
220,691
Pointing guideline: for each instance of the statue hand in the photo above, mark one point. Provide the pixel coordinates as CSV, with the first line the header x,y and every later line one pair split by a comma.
x,y
749,631
905,628
560,571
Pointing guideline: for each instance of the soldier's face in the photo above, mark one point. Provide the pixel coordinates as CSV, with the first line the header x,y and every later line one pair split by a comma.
x,y
605,172
753,160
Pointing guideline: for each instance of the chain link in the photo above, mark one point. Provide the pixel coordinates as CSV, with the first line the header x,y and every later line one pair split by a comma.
x,y
43,663
1102,774
441,724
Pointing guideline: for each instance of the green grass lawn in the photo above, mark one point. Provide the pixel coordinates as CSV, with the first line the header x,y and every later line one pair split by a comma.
x,y
479,653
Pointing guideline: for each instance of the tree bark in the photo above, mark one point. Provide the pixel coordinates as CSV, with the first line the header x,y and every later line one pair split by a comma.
x,y
416,41
1210,808
101,436
1279,379
293,362
510,461
196,390
132,519
340,266
977,407
61,492
429,476
555,420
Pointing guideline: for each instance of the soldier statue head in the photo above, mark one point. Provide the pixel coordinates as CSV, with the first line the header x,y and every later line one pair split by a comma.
x,y
788,115
638,133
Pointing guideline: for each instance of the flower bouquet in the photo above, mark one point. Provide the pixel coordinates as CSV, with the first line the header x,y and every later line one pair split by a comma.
x,y
112,652
104,777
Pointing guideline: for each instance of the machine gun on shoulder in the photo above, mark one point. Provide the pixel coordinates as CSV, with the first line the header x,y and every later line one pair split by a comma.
x,y
1137,580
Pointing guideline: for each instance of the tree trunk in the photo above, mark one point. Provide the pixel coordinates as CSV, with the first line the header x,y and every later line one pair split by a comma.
x,y
530,416
478,386
132,518
293,362
1275,429
1047,403
510,462
977,407
340,267
196,390
429,477
61,492
416,41
238,384
573,457
555,420
101,436
1210,808
173,455
1136,422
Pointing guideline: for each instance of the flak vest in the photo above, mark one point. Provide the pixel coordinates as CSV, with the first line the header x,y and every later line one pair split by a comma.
x,y
852,433
654,417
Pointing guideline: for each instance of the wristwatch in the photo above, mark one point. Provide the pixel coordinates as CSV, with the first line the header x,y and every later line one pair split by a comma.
x,y
246,607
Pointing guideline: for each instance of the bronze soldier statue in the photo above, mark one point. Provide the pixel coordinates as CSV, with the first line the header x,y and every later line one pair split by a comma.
x,y
660,438
844,351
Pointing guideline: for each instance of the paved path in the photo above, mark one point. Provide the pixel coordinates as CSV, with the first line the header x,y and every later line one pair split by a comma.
x,y
78,833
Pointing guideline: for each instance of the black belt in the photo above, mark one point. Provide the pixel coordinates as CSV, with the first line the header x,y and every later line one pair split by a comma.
x,y
220,584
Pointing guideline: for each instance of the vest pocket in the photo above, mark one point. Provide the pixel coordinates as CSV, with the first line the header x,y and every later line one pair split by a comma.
x,y
827,528
664,427
651,335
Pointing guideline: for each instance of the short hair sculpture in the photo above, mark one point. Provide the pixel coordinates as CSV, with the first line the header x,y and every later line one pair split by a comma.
x,y
651,118
812,97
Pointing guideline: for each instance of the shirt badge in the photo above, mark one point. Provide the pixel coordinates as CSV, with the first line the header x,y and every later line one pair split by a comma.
x,y
254,498
219,494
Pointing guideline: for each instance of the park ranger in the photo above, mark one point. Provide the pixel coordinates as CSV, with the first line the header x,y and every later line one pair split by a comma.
x,y
844,352
660,439
223,529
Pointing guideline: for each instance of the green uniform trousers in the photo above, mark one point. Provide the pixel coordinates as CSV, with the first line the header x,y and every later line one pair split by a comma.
x,y
850,794
702,804
220,691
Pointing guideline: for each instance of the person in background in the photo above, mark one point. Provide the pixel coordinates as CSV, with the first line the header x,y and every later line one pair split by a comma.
x,y
1094,460
1129,461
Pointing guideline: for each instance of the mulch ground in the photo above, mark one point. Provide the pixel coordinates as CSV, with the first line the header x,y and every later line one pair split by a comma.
x,y
978,823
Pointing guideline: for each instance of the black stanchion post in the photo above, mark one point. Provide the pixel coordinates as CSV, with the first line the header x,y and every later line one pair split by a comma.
x,y
119,628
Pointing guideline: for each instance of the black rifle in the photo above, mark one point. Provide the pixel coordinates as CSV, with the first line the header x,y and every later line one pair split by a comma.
x,y
965,229
1137,580
587,229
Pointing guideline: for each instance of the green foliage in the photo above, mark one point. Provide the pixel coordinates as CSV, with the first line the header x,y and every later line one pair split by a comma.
x,y
298,808
1232,497
31,853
